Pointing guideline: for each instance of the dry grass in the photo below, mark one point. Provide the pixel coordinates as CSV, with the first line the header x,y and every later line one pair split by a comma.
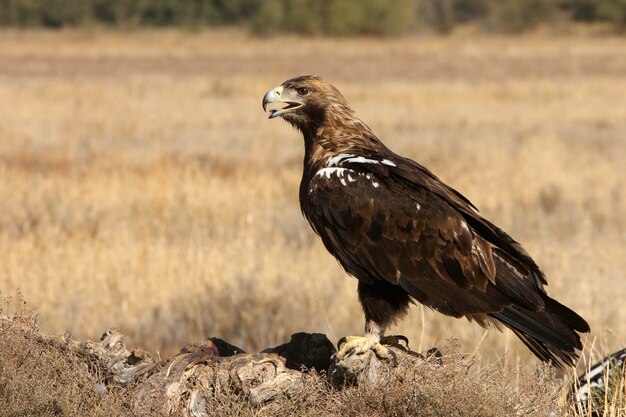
x,y
43,380
47,379
141,185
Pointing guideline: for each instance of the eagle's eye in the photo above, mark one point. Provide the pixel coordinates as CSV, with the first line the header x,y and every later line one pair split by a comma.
x,y
302,91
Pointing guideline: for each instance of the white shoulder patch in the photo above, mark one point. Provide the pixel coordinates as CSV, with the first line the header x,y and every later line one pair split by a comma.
x,y
361,160
327,172
355,159
335,160
346,175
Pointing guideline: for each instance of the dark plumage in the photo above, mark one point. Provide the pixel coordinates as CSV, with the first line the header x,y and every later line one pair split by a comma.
x,y
407,236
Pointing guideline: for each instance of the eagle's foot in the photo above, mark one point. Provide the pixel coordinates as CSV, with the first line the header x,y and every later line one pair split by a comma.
x,y
355,345
396,341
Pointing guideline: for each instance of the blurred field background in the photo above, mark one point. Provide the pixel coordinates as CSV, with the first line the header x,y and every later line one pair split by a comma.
x,y
142,187
320,17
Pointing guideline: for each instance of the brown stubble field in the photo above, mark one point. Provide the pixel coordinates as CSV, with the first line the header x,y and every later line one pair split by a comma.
x,y
142,187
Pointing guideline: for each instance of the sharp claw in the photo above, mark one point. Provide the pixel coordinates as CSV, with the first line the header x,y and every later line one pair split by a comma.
x,y
341,342
396,341
404,339
394,357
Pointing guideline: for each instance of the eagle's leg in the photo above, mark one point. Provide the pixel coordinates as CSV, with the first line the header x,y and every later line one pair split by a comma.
x,y
383,303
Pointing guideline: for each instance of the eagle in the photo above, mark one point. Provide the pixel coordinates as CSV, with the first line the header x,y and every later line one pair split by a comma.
x,y
408,237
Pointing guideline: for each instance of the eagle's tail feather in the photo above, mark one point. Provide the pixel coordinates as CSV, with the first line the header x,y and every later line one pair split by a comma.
x,y
550,332
566,314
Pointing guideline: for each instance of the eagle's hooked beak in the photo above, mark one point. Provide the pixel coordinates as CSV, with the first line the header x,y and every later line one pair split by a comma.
x,y
280,95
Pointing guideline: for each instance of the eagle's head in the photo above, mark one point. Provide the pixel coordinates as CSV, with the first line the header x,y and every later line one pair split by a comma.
x,y
309,102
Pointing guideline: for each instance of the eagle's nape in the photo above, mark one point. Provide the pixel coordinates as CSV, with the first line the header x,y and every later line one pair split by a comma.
x,y
408,237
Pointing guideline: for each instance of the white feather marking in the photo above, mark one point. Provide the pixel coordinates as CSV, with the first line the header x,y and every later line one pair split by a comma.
x,y
418,206
362,160
334,160
346,175
327,172
342,173
350,158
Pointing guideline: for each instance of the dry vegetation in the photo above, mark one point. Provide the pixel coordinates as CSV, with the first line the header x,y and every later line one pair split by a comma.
x,y
141,185
71,385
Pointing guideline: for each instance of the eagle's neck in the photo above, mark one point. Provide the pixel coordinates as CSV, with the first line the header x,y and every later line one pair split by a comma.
x,y
326,144
340,133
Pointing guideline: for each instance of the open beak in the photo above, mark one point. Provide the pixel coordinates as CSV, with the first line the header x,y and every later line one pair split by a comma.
x,y
278,95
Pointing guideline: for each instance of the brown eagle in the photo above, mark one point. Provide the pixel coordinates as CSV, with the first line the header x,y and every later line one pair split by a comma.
x,y
407,236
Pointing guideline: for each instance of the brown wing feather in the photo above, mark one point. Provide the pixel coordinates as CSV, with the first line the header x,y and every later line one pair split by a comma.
x,y
408,171
412,239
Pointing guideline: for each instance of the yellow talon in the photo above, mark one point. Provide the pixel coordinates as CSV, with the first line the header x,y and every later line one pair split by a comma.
x,y
355,345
